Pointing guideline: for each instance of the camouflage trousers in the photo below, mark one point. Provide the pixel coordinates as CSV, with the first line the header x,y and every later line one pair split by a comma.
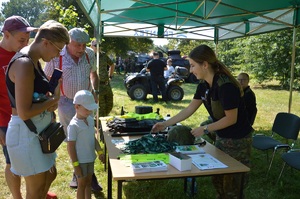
x,y
106,100
229,186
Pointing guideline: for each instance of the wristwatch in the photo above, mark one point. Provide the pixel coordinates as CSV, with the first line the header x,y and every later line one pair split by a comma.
x,y
206,130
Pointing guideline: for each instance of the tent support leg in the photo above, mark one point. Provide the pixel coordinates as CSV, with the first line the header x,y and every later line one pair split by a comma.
x,y
292,69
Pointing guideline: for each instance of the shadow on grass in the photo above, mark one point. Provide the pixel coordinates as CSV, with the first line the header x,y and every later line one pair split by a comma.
x,y
165,189
98,195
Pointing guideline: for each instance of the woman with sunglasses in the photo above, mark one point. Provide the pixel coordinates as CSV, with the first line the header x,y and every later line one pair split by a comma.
x,y
26,82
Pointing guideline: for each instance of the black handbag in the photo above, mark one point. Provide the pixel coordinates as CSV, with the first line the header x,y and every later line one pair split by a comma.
x,y
51,137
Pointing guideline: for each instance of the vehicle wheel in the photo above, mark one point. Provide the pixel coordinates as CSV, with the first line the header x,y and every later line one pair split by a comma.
x,y
138,92
192,79
175,93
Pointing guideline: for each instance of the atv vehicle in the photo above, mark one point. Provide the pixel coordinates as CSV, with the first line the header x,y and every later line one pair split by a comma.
x,y
138,85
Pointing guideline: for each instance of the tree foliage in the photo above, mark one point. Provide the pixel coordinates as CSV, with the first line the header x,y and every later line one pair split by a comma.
x,y
33,10
268,57
68,13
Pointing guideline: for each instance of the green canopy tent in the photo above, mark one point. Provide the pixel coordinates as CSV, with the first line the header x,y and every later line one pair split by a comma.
x,y
193,19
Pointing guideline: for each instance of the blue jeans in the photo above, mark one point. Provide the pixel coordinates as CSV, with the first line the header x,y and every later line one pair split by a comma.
x,y
66,111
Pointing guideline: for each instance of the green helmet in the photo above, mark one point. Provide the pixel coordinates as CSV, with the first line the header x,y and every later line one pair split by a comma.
x,y
181,134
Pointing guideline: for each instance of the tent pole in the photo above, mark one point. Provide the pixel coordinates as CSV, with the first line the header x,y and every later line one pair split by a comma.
x,y
216,39
292,68
98,38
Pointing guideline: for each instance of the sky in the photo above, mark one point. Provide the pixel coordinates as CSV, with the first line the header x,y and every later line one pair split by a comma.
x,y
159,41
1,1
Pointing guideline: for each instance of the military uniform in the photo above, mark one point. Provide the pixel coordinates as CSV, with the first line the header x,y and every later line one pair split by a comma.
x,y
105,91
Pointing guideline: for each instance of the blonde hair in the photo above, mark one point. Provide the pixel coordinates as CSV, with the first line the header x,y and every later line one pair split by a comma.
x,y
53,31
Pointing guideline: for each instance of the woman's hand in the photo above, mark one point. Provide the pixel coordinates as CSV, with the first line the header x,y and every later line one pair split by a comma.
x,y
197,132
78,172
52,108
57,89
101,157
158,127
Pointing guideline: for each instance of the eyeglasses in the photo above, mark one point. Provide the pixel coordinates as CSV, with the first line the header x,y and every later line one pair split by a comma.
x,y
58,48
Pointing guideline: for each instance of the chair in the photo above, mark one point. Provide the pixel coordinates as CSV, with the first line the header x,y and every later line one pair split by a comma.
x,y
292,158
286,125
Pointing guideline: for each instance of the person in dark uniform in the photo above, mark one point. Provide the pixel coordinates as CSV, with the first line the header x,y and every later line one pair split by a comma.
x,y
156,67
249,97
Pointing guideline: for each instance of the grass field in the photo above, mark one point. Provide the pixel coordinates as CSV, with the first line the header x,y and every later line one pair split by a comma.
x,y
269,102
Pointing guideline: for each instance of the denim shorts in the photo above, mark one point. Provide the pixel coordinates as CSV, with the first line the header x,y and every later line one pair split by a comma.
x,y
7,160
86,168
24,148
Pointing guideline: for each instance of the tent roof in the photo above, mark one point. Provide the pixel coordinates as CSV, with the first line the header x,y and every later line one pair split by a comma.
x,y
192,19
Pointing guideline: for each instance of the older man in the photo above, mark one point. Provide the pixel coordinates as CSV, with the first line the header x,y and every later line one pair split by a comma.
x,y
79,73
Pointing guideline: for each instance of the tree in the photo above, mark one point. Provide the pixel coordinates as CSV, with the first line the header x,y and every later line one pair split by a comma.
x,y
268,56
122,45
31,10
68,13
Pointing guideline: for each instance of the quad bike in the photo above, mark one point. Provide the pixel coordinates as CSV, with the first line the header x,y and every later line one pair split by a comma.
x,y
138,85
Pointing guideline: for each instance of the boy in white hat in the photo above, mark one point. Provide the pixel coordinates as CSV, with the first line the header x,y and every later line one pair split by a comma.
x,y
82,143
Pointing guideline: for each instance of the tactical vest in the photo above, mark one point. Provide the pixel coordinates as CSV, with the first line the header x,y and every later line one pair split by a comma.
x,y
216,106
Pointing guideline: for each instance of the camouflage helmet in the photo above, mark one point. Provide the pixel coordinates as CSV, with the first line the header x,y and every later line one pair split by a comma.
x,y
181,134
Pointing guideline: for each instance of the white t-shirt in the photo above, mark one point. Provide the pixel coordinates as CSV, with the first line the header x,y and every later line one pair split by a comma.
x,y
169,72
84,136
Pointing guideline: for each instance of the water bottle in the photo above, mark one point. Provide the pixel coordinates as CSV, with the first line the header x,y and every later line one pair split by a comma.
x,y
122,111
39,97
157,111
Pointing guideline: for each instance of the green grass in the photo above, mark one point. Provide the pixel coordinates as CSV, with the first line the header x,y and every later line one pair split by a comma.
x,y
269,102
